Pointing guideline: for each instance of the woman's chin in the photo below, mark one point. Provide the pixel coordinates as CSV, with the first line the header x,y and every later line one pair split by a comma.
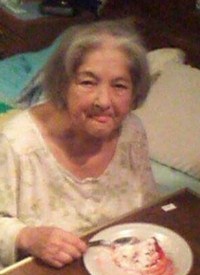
x,y
101,132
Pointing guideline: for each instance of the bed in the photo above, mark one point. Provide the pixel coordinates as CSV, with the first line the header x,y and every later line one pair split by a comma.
x,y
172,110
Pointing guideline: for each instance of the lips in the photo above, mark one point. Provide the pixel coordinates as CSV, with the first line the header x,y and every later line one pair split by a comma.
x,y
102,118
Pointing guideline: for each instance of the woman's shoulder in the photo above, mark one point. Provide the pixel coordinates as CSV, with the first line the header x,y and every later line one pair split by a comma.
x,y
133,124
133,131
14,122
7,116
19,131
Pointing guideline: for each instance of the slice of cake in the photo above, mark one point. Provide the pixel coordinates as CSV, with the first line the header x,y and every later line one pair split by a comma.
x,y
144,257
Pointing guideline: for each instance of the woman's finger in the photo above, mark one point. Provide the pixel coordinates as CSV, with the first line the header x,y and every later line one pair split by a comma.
x,y
75,241
58,260
63,258
72,250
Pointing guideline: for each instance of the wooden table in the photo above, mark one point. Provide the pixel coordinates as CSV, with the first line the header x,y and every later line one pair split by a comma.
x,y
184,220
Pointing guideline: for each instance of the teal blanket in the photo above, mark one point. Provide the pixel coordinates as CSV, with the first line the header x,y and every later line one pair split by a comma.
x,y
18,70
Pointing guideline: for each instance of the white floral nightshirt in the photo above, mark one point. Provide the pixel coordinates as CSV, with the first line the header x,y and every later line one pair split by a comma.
x,y
36,190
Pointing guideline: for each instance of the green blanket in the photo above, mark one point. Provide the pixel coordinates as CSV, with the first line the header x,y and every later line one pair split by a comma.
x,y
18,70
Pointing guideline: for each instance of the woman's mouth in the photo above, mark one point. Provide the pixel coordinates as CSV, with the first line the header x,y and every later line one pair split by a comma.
x,y
102,118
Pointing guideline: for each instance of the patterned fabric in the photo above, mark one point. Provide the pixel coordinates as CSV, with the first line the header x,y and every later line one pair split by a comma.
x,y
36,190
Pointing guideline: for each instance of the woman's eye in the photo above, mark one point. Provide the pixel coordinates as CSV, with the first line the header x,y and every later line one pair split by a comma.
x,y
87,82
121,86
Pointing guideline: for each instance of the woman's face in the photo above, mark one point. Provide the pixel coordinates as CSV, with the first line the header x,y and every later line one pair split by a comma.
x,y
101,94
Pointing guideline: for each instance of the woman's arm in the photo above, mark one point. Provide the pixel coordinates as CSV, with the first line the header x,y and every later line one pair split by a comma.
x,y
9,224
53,245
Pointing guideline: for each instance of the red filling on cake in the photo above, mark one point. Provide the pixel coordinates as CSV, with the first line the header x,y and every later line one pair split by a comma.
x,y
144,257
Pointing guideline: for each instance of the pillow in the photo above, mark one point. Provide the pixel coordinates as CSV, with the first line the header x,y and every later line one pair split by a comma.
x,y
160,57
171,116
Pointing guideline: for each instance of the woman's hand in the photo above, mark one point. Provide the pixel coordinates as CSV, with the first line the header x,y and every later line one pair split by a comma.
x,y
53,245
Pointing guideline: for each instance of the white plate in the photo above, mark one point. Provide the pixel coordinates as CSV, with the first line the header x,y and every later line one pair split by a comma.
x,y
173,244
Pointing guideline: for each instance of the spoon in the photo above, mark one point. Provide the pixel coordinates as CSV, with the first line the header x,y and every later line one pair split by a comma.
x,y
121,240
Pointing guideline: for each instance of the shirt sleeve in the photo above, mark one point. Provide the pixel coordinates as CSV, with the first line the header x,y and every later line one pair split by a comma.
x,y
9,185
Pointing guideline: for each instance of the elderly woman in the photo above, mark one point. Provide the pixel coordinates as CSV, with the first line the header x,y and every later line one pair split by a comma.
x,y
80,158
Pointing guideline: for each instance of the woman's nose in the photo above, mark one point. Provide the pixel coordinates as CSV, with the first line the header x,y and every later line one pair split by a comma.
x,y
103,97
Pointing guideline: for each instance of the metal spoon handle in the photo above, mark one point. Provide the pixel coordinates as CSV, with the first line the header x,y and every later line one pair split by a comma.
x,y
102,242
99,243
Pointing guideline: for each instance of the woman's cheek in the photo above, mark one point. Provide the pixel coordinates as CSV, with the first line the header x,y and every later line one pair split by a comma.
x,y
124,105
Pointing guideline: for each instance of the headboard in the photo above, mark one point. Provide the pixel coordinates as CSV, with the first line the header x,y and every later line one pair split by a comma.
x,y
169,23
